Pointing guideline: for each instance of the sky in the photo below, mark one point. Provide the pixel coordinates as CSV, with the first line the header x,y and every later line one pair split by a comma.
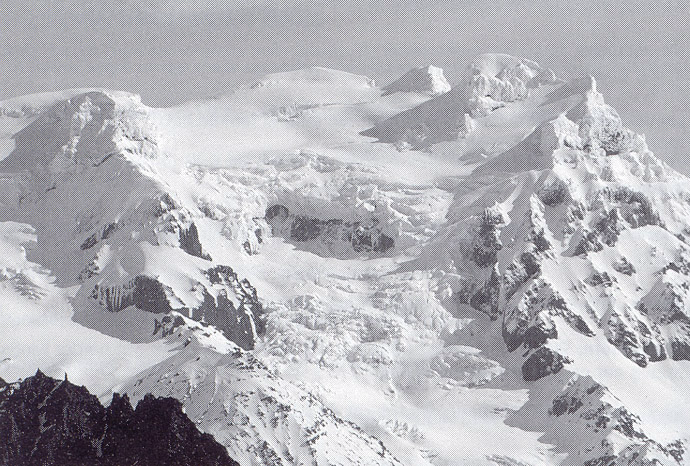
x,y
171,51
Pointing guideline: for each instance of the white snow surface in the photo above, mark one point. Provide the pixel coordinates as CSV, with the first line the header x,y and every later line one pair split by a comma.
x,y
391,356
424,80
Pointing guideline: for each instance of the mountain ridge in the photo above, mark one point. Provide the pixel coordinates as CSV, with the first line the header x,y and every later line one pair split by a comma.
x,y
46,421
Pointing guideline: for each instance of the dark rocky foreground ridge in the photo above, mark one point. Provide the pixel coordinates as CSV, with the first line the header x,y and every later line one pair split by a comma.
x,y
44,421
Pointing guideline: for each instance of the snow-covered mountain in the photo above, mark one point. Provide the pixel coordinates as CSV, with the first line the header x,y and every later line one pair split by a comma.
x,y
327,272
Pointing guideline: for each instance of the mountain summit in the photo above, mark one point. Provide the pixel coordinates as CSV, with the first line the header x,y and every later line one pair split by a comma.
x,y
489,83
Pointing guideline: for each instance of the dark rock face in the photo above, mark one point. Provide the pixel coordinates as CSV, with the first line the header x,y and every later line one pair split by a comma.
x,y
128,438
624,267
36,427
537,335
631,209
164,204
223,274
530,322
168,325
277,211
487,243
145,293
149,295
680,349
634,338
676,450
529,335
108,230
541,363
554,193
240,323
189,242
44,421
603,279
486,299
518,273
589,242
89,242
363,237
92,240
655,352
306,228
609,227
633,206
235,310
565,404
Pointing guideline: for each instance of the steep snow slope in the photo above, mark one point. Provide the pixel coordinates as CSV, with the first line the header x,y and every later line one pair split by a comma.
x,y
37,326
512,294
317,110
259,417
425,79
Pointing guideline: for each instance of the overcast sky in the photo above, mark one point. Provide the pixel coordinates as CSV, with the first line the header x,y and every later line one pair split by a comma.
x,y
170,51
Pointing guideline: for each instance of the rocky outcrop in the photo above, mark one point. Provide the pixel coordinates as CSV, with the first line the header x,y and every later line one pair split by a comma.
x,y
613,211
189,242
235,311
231,305
553,193
486,299
578,194
529,320
46,422
487,242
92,240
261,418
542,362
584,406
127,437
636,208
142,292
365,236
